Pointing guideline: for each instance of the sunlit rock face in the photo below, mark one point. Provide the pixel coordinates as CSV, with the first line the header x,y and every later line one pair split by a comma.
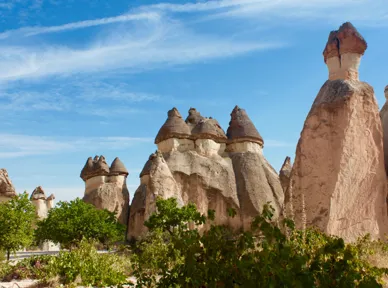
x,y
198,163
105,187
384,120
7,190
338,180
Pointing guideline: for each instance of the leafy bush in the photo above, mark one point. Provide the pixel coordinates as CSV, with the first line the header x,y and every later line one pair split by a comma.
x,y
70,222
81,266
85,266
267,256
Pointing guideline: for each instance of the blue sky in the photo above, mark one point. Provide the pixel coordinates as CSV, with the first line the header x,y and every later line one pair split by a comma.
x,y
87,77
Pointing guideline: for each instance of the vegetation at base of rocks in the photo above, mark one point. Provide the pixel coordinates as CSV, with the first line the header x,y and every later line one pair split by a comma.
x,y
17,217
172,255
80,266
70,222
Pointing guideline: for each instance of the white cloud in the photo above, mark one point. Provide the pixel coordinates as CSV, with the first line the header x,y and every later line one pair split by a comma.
x,y
166,44
276,143
31,31
14,145
80,96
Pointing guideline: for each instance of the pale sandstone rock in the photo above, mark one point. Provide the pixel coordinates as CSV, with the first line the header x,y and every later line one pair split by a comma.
x,y
209,172
285,173
156,181
105,187
42,203
194,117
343,52
338,182
384,120
7,190
174,127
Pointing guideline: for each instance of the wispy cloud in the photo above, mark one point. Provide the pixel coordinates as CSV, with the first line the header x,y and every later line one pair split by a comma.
x,y
166,44
31,31
16,145
83,97
276,143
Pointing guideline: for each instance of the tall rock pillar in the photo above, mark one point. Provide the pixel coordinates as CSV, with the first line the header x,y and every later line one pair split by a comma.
x,y
338,180
384,121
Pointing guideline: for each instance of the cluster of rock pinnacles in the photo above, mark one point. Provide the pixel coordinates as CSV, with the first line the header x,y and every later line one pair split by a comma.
x,y
338,181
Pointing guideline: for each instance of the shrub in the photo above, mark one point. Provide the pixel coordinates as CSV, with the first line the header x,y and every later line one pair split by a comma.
x,y
85,266
262,257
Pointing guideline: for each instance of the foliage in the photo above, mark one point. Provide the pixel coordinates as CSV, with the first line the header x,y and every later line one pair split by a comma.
x,y
267,256
70,222
85,266
17,217
29,268
81,266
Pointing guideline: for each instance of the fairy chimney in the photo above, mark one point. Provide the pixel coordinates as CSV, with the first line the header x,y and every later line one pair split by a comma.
x,y
194,117
285,173
343,52
242,134
338,180
209,137
105,187
384,120
7,190
42,203
174,134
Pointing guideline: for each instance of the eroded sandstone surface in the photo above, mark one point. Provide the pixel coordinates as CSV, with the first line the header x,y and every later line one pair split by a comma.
x,y
7,190
338,180
196,162
105,187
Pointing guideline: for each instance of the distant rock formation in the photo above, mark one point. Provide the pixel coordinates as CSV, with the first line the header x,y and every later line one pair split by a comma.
x,y
285,173
384,120
42,203
105,187
7,190
197,163
338,180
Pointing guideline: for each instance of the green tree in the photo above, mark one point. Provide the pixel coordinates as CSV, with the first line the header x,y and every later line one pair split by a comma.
x,y
70,222
17,217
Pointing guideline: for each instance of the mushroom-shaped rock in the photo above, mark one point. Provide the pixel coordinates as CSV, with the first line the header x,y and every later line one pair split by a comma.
x,y
101,167
38,194
350,40
338,180
332,46
51,197
285,173
147,167
241,128
7,190
118,167
209,129
88,169
194,117
174,127
343,51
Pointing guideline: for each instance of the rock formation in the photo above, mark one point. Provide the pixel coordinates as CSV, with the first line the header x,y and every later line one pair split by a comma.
x,y
7,190
285,173
105,187
384,120
42,203
338,180
197,163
